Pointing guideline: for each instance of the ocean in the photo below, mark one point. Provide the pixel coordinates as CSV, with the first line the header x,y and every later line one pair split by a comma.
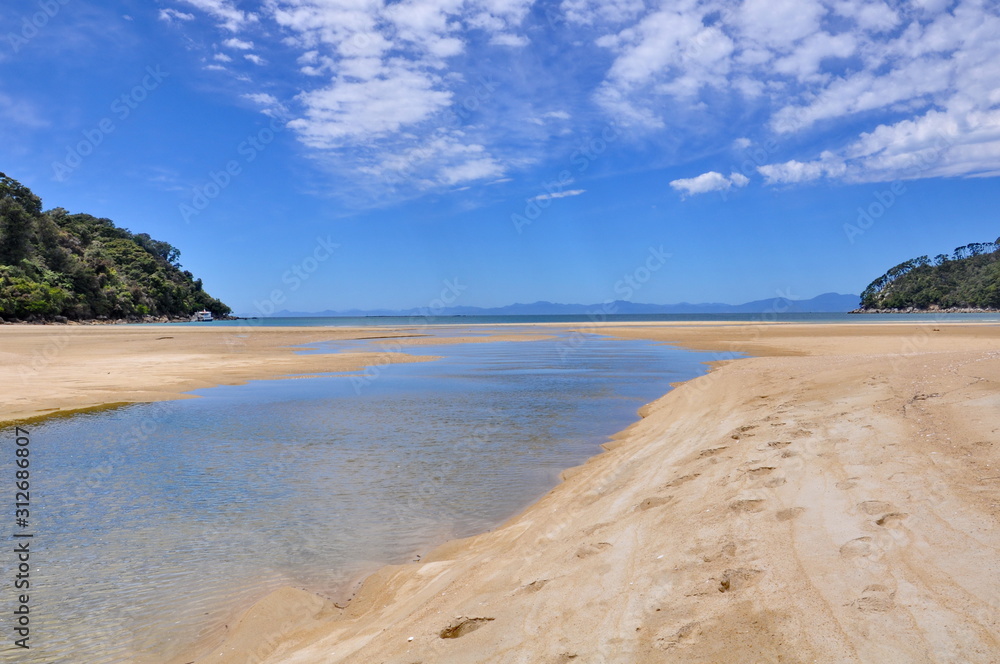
x,y
596,316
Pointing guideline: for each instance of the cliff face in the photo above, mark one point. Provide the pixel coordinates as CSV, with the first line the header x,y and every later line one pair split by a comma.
x,y
56,265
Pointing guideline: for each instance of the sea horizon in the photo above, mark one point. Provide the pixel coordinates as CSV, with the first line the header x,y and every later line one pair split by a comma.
x,y
596,317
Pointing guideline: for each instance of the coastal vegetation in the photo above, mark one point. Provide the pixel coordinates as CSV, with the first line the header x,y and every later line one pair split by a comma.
x,y
56,265
969,278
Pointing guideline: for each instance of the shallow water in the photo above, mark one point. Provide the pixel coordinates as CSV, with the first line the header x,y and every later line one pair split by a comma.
x,y
154,521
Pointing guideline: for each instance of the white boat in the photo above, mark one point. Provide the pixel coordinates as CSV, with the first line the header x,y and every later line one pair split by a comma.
x,y
203,316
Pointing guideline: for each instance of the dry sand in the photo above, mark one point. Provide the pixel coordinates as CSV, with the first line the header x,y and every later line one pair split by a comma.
x,y
835,499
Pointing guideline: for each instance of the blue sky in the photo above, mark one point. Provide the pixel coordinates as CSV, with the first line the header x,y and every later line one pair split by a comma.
x,y
345,154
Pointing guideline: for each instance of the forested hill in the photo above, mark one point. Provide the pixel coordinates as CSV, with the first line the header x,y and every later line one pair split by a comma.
x,y
967,279
56,265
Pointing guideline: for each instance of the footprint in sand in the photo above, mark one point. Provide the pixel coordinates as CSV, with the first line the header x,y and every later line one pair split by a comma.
x,y
535,586
689,632
779,444
857,548
789,514
874,507
733,580
597,526
890,519
588,550
681,480
728,550
712,451
462,626
774,482
654,501
876,598
748,505
761,470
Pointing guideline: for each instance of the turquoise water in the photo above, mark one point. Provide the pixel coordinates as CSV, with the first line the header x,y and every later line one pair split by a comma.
x,y
153,522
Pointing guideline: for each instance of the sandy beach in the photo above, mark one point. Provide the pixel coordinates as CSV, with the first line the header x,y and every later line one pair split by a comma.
x,y
834,498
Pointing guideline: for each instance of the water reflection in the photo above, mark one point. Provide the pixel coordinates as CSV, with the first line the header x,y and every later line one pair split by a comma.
x,y
155,520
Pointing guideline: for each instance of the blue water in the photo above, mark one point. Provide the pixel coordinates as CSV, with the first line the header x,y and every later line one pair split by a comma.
x,y
154,522
395,321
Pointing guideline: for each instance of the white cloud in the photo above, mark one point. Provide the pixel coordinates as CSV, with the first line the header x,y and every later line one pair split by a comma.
x,y
476,169
269,104
670,53
363,110
708,182
937,144
866,91
779,23
805,60
557,194
739,180
170,15
238,44
507,39
797,171
385,86
808,67
601,11
391,87
262,98
445,159
21,112
869,15
229,17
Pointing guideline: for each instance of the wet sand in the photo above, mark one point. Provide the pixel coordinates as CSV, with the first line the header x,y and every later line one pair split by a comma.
x,y
835,498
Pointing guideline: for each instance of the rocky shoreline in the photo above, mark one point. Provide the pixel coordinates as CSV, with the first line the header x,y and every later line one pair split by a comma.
x,y
915,310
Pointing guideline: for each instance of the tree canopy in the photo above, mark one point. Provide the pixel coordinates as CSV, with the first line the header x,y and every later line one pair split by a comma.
x,y
54,263
968,278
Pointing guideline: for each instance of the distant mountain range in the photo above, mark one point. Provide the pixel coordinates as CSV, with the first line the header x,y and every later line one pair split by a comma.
x,y
825,303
